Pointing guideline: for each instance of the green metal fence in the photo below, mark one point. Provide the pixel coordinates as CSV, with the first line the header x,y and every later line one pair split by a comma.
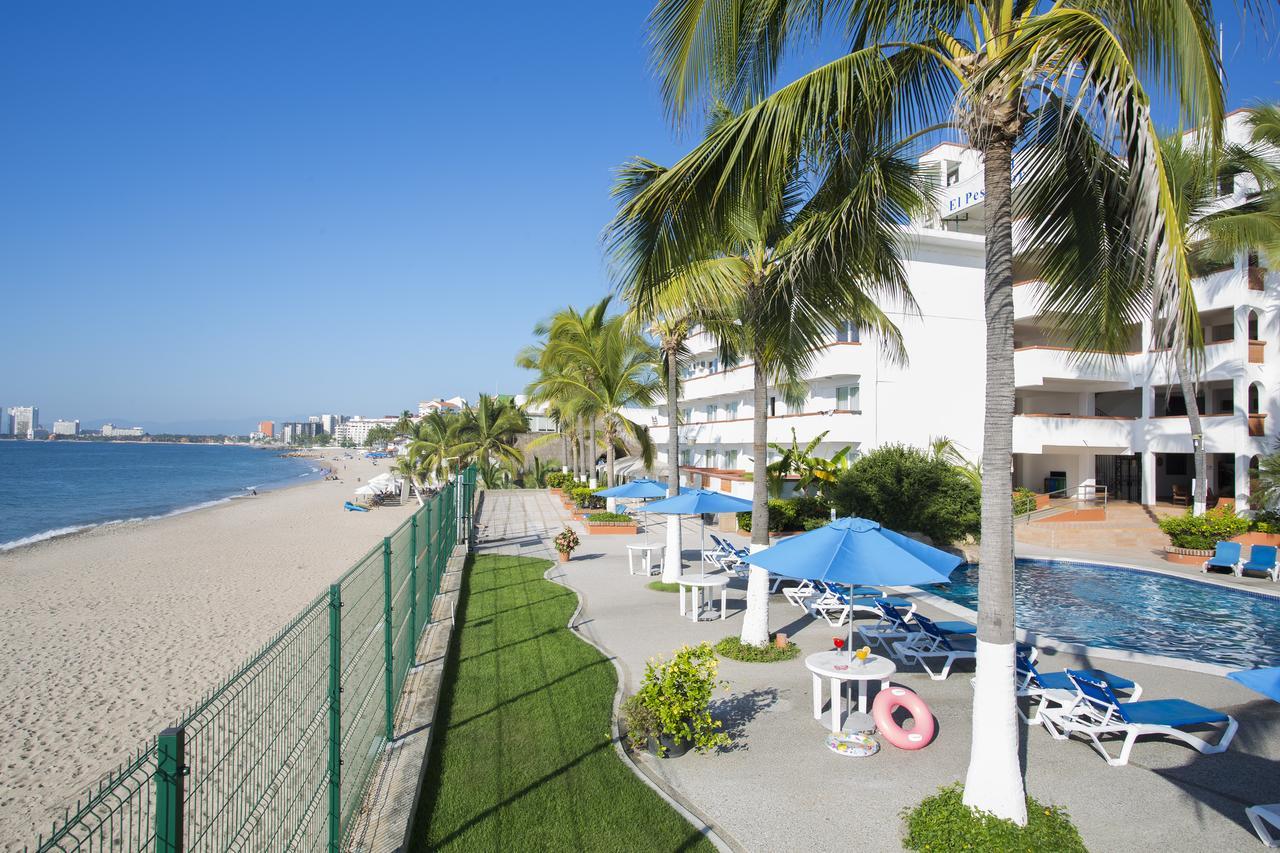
x,y
278,756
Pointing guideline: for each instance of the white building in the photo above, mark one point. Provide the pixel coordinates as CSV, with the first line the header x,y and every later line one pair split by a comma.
x,y
453,404
66,427
112,431
1118,423
330,423
24,421
357,428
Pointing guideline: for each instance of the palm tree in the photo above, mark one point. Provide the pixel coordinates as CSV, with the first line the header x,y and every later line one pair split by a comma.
x,y
774,269
1215,234
487,433
811,471
433,444
404,425
1063,82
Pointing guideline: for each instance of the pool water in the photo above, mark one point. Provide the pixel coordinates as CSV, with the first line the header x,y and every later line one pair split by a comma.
x,y
1137,611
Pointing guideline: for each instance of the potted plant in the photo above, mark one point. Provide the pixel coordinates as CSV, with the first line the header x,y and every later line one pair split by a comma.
x,y
566,543
610,522
671,711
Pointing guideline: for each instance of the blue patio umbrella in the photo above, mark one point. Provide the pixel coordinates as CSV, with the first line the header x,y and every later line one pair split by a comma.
x,y
699,502
1265,680
857,552
636,489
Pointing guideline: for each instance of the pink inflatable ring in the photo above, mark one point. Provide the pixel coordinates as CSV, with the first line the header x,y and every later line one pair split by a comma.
x,y
888,701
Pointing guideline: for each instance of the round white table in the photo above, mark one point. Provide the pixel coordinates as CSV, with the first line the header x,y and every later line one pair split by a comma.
x,y
645,551
695,585
827,665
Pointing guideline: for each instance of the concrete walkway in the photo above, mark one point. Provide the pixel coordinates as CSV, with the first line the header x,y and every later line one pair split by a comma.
x,y
779,788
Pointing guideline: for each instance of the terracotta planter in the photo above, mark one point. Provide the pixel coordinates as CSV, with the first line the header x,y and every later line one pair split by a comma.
x,y
610,527
564,558
556,492
1255,538
1186,556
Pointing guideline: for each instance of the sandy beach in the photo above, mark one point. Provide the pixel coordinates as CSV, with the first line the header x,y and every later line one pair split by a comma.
x,y
109,633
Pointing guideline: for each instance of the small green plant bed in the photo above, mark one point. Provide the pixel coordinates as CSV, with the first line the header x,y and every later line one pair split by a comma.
x,y
601,517
943,823
734,649
659,586
1202,532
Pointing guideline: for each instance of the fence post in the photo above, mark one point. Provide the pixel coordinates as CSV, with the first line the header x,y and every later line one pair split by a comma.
x,y
171,764
335,716
387,635
431,588
413,579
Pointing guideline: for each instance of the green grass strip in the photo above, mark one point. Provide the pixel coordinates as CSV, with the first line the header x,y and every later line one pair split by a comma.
x,y
659,586
523,758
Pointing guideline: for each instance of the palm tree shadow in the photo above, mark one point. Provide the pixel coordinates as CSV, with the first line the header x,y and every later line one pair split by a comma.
x,y
735,712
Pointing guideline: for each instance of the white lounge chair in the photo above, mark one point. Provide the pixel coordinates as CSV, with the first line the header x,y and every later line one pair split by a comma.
x,y
929,644
1260,816
1098,712
1049,689
893,624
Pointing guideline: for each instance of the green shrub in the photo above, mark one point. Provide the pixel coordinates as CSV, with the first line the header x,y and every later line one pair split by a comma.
x,y
1024,501
584,498
558,479
1267,521
791,514
907,490
600,517
734,649
1201,532
944,823
675,696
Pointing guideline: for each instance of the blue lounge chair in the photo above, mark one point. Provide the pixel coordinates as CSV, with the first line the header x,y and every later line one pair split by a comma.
x,y
1098,712
894,625
1262,558
836,605
1044,688
1226,555
928,643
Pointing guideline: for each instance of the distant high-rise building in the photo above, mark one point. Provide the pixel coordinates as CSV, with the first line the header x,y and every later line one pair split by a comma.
x,y
268,429
66,427
330,423
24,421
294,432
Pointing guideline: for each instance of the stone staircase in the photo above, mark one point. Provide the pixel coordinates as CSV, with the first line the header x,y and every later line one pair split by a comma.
x,y
1127,527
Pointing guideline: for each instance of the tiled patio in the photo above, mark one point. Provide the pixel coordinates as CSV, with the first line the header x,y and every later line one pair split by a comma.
x,y
779,788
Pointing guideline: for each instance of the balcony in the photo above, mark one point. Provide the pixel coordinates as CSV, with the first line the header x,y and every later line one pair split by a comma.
x,y
1060,369
844,428
831,361
1037,433
1172,433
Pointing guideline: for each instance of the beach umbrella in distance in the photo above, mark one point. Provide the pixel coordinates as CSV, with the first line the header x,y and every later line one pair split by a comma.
x,y
857,552
643,488
699,502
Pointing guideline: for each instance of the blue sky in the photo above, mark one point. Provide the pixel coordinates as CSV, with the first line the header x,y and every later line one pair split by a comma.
x,y
214,213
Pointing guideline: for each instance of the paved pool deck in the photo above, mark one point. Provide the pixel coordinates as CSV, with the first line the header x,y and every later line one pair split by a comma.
x,y
779,788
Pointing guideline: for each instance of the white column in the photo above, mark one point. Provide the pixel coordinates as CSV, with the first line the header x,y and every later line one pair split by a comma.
x,y
1242,481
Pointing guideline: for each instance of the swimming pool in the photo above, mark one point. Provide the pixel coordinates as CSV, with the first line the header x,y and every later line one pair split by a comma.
x,y
1118,608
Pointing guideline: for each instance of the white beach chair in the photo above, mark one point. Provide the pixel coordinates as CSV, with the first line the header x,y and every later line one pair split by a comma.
x,y
1260,816
929,644
1098,712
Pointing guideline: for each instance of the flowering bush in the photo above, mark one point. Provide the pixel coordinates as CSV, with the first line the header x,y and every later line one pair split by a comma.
x,y
1202,532
558,480
567,541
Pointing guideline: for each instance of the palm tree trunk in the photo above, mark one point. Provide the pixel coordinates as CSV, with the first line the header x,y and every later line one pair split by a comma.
x,y
582,447
608,457
994,781
755,622
595,453
671,560
1199,499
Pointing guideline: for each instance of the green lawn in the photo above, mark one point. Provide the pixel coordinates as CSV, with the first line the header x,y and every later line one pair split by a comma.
x,y
523,758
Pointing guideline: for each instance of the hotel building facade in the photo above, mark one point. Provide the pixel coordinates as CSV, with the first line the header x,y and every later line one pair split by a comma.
x,y
1080,422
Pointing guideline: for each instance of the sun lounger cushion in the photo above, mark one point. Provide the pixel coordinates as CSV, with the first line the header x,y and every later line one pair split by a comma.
x,y
1225,554
1061,681
1169,712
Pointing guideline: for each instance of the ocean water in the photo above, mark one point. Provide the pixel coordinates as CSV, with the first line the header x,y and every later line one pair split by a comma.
x,y
50,488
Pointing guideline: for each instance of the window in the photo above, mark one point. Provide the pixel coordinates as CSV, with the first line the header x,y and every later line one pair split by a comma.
x,y
731,460
731,411
686,457
686,416
847,398
847,332
1227,184
952,170
712,411
773,407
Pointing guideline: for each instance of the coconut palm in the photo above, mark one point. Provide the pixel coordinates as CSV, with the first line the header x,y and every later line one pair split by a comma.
x,y
1063,83
434,439
775,268
612,368
811,471
1216,234
488,431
